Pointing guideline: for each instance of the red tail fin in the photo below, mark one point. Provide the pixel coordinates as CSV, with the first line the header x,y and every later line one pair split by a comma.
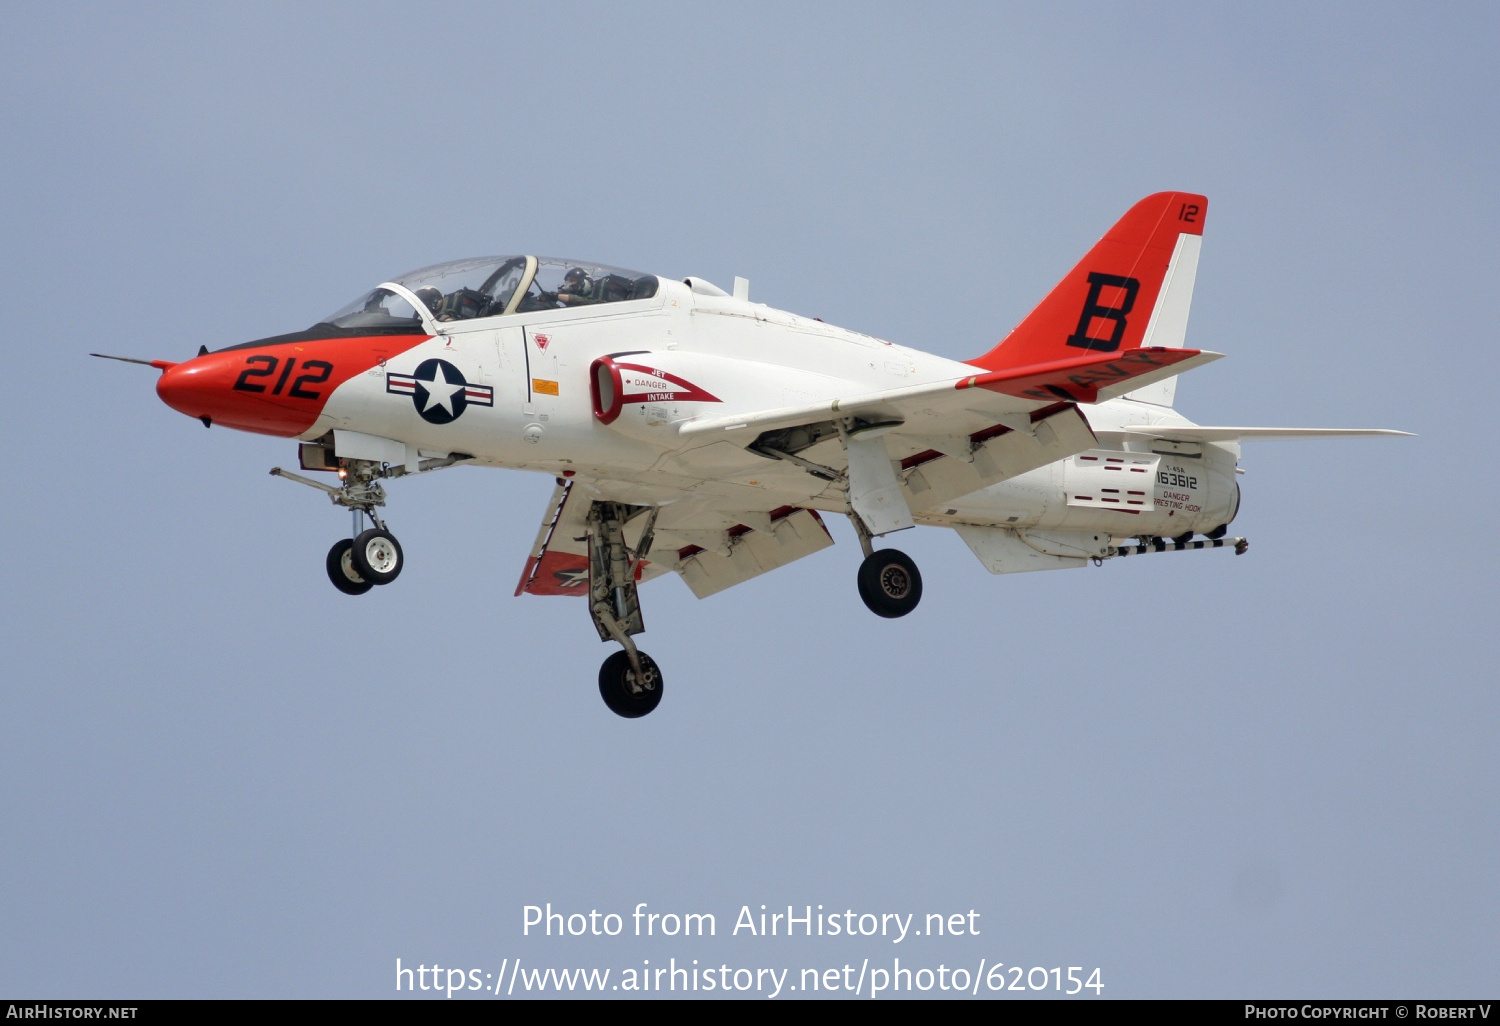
x,y
1104,305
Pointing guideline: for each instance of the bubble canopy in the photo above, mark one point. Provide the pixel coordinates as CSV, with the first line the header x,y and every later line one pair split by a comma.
x,y
489,287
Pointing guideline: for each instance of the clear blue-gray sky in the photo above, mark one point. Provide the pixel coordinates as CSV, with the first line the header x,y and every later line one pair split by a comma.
x,y
1206,775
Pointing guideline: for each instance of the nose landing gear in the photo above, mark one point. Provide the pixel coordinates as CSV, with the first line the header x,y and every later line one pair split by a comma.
x,y
368,557
371,557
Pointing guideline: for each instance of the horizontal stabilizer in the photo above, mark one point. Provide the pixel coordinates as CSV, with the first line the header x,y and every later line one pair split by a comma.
x,y
1194,433
1091,379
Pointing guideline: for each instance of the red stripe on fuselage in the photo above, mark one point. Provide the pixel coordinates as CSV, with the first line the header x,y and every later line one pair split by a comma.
x,y
255,390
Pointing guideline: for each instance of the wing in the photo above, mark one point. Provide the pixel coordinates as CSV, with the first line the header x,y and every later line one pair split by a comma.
x,y
1002,393
892,452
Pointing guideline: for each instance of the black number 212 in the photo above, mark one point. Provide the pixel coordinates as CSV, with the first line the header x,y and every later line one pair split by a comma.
x,y
314,372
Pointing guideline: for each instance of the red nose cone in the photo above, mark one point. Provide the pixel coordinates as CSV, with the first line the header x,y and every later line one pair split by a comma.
x,y
274,389
178,387
217,386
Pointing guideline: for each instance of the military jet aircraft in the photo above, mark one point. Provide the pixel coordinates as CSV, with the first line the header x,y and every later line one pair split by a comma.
x,y
693,431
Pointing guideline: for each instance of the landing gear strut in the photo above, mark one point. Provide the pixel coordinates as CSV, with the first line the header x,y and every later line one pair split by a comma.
x,y
889,582
630,682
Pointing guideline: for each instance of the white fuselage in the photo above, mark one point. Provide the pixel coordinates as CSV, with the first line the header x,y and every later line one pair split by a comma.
x,y
750,357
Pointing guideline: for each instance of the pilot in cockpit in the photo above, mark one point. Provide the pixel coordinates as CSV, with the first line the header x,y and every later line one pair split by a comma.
x,y
577,288
430,297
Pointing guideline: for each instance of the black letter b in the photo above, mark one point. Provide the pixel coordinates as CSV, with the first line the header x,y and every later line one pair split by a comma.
x,y
1093,310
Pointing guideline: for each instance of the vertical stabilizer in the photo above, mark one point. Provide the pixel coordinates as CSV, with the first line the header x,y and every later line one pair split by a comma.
x,y
1130,291
1168,326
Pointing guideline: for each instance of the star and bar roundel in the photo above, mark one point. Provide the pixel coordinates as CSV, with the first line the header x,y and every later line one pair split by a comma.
x,y
438,391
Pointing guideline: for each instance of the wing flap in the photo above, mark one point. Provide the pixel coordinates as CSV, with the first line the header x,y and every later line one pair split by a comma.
x,y
932,478
751,553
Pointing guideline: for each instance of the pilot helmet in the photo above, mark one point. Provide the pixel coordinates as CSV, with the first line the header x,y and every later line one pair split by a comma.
x,y
430,297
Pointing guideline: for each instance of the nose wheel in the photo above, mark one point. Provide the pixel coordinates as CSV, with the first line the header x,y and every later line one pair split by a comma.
x,y
890,583
356,565
341,569
376,556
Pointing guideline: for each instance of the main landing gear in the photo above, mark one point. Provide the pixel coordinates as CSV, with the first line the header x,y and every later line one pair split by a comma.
x,y
889,582
630,682
629,692
371,555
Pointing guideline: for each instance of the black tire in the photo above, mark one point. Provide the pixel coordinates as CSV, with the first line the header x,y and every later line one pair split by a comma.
x,y
341,569
617,686
890,583
377,556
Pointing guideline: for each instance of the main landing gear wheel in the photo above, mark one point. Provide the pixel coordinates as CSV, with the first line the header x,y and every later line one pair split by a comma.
x,y
890,583
377,556
623,691
341,569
